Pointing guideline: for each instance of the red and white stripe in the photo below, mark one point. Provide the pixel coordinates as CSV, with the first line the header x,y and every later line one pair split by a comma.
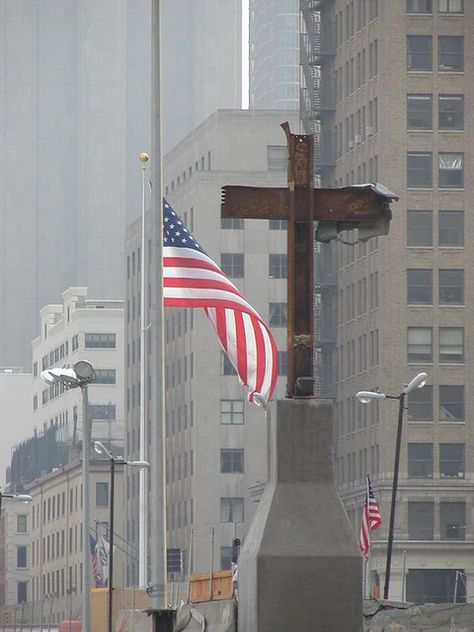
x,y
371,519
192,279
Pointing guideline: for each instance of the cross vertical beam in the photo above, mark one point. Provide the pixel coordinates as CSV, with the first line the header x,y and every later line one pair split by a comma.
x,y
300,260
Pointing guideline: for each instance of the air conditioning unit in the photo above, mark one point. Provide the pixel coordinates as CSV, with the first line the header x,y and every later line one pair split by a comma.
x,y
369,131
351,144
358,139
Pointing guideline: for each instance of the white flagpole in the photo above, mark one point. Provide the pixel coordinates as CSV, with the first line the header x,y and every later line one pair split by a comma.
x,y
142,481
158,579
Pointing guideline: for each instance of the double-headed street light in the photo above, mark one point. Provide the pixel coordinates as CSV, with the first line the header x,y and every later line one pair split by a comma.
x,y
79,376
100,448
365,397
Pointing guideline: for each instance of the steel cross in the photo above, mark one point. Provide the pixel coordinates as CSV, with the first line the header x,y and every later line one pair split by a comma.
x,y
365,207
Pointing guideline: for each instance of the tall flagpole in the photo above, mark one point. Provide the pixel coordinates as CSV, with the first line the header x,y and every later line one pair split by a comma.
x,y
162,620
142,481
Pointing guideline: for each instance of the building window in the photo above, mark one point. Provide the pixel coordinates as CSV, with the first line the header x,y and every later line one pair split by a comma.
x,y
451,345
232,264
101,494
277,157
451,402
21,523
21,556
419,111
105,376
22,591
451,460
420,228
278,224
420,460
451,287
450,6
226,558
420,404
278,314
451,111
232,509
451,53
451,228
434,586
419,52
232,461
103,412
232,411
419,6
420,344
282,363
75,342
232,223
419,170
451,171
420,520
278,266
419,287
227,367
100,341
452,517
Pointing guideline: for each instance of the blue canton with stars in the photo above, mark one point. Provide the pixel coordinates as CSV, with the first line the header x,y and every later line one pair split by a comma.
x,y
175,233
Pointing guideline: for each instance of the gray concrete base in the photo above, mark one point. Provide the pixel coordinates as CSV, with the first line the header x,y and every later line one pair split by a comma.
x,y
299,567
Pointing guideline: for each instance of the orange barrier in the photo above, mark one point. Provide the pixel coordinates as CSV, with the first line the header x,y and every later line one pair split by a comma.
x,y
202,589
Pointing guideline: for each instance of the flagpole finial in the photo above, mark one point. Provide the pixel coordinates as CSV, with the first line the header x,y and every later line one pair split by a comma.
x,y
143,157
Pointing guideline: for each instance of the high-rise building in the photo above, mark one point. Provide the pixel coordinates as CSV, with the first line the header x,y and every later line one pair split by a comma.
x,y
392,107
215,439
201,63
75,114
274,54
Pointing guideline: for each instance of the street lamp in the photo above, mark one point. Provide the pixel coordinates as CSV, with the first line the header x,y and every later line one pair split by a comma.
x,y
365,397
80,376
101,449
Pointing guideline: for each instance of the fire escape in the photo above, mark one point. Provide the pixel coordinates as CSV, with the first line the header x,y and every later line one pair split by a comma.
x,y
317,110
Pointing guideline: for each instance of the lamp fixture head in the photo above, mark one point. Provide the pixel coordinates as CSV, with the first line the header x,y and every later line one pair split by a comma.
x,y
417,382
84,371
365,397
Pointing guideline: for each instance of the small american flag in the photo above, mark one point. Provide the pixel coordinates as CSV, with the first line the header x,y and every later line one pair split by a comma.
x,y
192,279
96,568
371,519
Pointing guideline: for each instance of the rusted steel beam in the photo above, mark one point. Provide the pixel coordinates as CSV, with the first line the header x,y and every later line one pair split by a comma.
x,y
346,204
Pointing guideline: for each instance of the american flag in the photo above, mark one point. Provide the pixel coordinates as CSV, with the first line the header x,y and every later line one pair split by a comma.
x,y
371,519
96,567
192,279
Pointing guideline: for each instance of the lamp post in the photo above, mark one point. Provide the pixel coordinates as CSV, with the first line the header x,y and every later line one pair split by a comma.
x,y
365,397
101,449
80,376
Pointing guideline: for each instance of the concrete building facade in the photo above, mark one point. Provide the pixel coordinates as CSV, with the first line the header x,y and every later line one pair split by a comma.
x,y
15,563
395,112
215,438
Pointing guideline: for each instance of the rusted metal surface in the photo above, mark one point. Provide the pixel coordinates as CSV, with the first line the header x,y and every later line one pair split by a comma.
x,y
365,207
348,204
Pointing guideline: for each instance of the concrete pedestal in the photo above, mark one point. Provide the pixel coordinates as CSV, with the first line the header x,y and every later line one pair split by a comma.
x,y
299,568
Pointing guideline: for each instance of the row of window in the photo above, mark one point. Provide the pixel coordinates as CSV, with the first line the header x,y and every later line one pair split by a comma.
x,y
54,507
180,467
450,404
455,7
354,358
450,345
351,415
421,459
228,369
451,520
199,165
450,53
353,76
231,223
420,170
420,286
450,111
346,20
53,583
357,127
450,229
232,264
354,465
355,300
366,172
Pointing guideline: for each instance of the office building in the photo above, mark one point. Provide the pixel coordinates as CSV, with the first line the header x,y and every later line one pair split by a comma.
x,y
392,108
274,54
215,439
